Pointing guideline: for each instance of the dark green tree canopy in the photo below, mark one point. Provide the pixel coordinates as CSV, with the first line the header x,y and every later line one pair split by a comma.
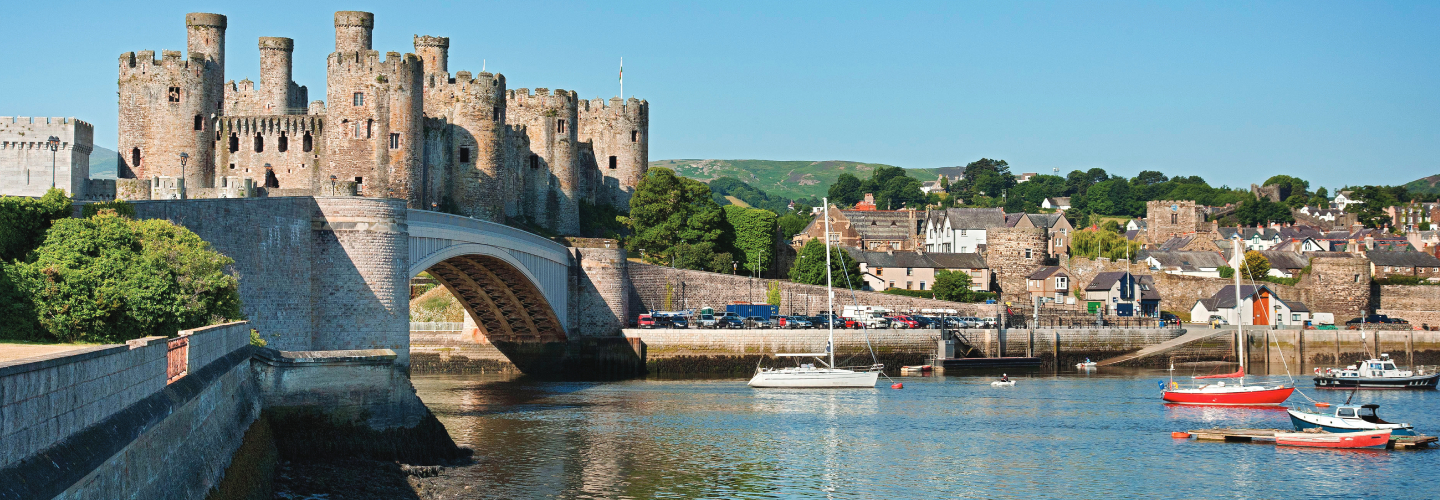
x,y
667,210
23,221
846,191
809,267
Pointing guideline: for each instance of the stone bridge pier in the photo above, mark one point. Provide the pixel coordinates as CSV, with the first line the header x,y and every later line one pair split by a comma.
x,y
332,273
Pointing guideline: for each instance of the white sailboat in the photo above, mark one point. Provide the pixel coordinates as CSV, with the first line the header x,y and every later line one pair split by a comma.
x,y
811,376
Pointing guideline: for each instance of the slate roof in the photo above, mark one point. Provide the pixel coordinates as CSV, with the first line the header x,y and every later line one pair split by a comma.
x,y
1044,220
1296,306
1147,287
1188,261
1246,233
882,224
975,218
1403,259
1176,242
1132,234
1285,260
916,259
1012,219
1046,272
1104,281
1226,296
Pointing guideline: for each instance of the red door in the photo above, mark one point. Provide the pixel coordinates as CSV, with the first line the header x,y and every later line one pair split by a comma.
x,y
1262,309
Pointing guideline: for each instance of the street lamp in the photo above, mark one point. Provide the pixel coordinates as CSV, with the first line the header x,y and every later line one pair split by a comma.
x,y
54,143
184,157
332,185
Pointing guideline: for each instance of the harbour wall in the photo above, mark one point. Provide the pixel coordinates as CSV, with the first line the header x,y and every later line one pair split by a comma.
x,y
1272,350
162,417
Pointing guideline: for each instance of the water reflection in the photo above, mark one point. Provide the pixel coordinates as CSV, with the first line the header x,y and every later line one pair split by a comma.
x,y
1093,434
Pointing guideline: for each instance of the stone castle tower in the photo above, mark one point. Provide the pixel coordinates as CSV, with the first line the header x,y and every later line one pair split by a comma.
x,y
1166,218
397,126
1013,253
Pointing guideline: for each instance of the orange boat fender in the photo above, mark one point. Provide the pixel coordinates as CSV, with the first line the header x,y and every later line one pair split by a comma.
x,y
1180,435
897,385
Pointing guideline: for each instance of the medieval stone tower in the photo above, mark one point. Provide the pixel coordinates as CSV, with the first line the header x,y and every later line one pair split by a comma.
x,y
166,105
619,133
1171,218
1013,254
398,126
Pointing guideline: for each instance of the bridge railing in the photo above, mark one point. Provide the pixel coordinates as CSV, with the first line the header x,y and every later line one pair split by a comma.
x,y
436,326
428,217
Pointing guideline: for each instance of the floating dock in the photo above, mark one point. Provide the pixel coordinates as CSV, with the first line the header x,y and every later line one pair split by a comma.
x,y
1268,436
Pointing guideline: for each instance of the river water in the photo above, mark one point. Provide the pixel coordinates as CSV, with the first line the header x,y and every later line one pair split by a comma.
x,y
1073,435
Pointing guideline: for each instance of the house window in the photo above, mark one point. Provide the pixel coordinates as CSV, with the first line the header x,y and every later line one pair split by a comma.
x,y
394,141
464,155
359,99
879,270
307,143
1059,296
634,136
283,143
962,232
892,284
1295,317
834,238
199,122
909,271
174,94
922,285
1061,283
614,163
259,143
560,126
909,285
1027,253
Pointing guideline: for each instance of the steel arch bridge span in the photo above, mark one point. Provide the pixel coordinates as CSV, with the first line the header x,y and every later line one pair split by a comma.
x,y
513,283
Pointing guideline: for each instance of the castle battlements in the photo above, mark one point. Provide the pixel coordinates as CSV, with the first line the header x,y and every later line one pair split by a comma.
x,y
144,61
634,109
370,61
542,98
269,124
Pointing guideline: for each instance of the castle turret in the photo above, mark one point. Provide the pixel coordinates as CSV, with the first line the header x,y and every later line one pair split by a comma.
x,y
275,75
435,52
471,153
352,30
620,133
551,179
205,36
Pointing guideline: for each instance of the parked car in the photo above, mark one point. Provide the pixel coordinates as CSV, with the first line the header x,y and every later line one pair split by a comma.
x,y
729,321
797,322
1375,318
675,322
926,321
757,322
706,321
645,321
823,320
902,322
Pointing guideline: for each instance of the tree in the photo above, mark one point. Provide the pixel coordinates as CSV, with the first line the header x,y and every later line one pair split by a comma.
x,y
1257,267
809,266
1111,197
23,221
1149,178
899,192
1094,244
846,191
953,286
1113,227
987,177
945,183
754,238
667,210
792,223
110,279
1261,211
772,293
1375,199
1226,271
1289,186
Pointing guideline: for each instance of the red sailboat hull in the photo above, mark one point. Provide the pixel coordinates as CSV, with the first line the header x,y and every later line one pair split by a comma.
x,y
1267,397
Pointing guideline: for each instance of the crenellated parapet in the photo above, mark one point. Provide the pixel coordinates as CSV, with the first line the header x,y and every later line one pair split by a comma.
x,y
166,105
551,176
288,144
620,132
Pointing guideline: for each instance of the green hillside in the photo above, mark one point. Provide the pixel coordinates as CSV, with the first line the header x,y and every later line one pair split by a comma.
x,y
103,163
1427,185
785,179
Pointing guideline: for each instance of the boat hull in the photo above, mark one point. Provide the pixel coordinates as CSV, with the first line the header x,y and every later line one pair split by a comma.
x,y
1420,382
1349,440
1241,396
813,379
1304,420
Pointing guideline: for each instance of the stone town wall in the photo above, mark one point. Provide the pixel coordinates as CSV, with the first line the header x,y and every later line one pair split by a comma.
x,y
360,287
599,288
1323,347
1012,254
1410,297
650,286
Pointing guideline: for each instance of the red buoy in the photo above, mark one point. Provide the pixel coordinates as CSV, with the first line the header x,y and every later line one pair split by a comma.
x,y
897,385
1180,435
1323,405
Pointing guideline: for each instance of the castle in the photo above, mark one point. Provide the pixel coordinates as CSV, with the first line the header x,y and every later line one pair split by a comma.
x,y
398,126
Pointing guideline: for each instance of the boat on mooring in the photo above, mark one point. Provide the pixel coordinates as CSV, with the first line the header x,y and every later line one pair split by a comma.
x,y
1350,440
1375,374
1347,418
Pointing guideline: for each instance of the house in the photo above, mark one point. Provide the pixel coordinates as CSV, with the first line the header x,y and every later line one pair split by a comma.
x,y
1120,293
960,230
1057,230
1260,306
1206,264
935,186
1058,203
917,270
1255,238
1424,241
898,230
1050,284
1136,224
1025,177
1411,216
1285,264
1385,264
867,204
1344,200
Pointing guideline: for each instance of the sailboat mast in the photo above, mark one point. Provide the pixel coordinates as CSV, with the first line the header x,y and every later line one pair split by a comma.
x,y
829,290
1243,343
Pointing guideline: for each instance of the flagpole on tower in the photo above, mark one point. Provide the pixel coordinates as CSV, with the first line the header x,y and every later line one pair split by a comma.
x,y
622,78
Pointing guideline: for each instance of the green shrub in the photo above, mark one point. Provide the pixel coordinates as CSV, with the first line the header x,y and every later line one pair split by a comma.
x,y
121,207
16,308
23,221
109,279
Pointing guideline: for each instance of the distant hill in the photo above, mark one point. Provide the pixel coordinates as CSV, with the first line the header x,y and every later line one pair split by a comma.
x,y
1427,185
103,163
784,179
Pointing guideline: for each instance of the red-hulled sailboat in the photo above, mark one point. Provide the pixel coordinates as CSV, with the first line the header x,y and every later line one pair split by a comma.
x,y
1237,394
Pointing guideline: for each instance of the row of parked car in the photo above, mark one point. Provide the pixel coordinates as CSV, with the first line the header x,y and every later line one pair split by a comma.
x,y
732,320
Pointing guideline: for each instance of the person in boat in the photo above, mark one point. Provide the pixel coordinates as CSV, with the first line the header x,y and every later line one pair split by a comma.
x,y
1004,378
1087,361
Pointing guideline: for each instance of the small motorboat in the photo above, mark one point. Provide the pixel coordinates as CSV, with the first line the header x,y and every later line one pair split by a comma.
x,y
1008,383
1319,439
1087,365
1375,374
1347,418
917,368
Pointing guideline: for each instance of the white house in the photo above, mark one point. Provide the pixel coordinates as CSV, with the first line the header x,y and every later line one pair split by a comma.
x,y
1059,203
1344,200
960,230
1258,306
1206,264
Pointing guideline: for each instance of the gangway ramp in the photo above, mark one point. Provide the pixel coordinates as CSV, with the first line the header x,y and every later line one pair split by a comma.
x,y
1165,346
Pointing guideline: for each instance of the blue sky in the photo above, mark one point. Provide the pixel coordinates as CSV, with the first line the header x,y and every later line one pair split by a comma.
x,y
1336,93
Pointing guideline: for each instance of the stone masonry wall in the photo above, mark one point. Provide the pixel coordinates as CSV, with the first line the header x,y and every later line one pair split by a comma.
x,y
1410,297
360,287
696,289
1012,254
599,289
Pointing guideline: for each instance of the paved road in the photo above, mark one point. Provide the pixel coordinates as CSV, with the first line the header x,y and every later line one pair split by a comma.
x,y
10,352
